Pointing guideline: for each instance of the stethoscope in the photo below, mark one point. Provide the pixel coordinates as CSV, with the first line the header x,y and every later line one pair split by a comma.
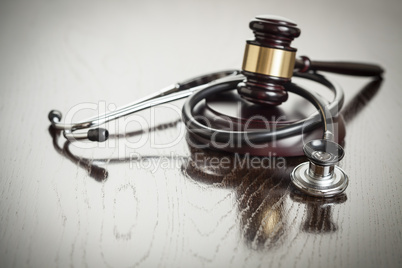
x,y
320,176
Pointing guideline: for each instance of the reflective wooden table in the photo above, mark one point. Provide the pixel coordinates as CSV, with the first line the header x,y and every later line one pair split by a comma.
x,y
147,197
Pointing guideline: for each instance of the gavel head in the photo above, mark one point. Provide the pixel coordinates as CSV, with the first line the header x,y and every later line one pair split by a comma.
x,y
268,60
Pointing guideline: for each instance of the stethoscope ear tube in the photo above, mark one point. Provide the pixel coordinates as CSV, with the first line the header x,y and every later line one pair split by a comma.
x,y
74,131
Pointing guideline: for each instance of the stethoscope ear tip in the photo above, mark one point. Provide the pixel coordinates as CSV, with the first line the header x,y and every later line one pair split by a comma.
x,y
54,114
98,134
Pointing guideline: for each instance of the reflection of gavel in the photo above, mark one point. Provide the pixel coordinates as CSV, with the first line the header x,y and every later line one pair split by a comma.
x,y
269,61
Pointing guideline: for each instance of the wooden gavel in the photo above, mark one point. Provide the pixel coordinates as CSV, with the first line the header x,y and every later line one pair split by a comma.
x,y
269,62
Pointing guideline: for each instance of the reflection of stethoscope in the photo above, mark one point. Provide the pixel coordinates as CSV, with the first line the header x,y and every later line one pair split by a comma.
x,y
268,65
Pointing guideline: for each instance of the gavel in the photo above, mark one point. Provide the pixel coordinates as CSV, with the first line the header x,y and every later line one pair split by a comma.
x,y
269,62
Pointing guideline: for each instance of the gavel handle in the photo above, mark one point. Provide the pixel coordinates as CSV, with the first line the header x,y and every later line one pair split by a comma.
x,y
339,67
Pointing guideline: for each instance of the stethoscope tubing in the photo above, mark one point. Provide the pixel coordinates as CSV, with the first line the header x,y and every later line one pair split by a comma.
x,y
326,112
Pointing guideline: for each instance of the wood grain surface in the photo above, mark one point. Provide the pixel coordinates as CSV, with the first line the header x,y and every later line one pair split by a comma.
x,y
146,198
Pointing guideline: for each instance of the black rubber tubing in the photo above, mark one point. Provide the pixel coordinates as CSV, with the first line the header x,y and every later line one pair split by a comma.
x,y
323,116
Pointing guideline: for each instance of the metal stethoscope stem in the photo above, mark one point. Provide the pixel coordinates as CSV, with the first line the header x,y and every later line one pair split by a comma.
x,y
171,93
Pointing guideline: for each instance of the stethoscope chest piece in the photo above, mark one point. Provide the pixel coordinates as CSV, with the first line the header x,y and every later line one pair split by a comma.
x,y
321,176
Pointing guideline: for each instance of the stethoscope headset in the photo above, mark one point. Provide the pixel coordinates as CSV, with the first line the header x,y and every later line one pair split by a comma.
x,y
268,66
